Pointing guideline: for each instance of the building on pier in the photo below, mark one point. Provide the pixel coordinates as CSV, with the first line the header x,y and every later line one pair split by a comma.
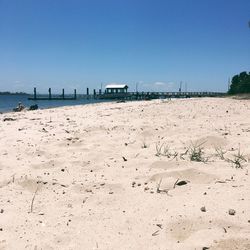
x,y
116,88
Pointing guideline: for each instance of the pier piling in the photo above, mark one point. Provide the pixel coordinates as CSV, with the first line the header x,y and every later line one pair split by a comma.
x,y
50,93
34,93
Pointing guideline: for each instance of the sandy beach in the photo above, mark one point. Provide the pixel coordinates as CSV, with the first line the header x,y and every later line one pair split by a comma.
x,y
163,174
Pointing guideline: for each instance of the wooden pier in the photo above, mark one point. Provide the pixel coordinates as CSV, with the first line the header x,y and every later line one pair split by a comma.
x,y
126,95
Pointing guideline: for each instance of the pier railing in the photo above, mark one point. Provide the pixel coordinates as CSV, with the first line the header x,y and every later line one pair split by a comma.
x,y
157,95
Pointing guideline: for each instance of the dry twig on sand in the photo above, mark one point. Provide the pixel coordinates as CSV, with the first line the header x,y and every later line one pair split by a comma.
x,y
158,190
32,201
175,183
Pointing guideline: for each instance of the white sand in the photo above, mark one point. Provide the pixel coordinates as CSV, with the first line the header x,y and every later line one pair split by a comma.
x,y
93,173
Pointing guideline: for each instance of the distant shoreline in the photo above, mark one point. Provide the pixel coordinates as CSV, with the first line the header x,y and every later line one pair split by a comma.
x,y
11,93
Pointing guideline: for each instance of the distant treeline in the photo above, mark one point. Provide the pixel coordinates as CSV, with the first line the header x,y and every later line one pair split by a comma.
x,y
11,93
240,84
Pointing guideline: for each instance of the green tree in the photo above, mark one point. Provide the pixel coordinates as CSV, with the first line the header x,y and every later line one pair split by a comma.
x,y
240,83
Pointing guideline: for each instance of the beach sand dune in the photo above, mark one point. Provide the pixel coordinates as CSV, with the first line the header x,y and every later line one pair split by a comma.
x,y
138,175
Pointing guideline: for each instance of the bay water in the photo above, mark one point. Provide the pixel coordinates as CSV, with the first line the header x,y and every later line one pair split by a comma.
x,y
8,102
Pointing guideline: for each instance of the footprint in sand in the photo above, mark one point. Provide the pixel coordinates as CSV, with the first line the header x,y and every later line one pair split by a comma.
x,y
62,240
30,184
47,165
232,244
3,245
184,230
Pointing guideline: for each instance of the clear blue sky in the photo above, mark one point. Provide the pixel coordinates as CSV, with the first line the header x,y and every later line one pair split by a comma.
x,y
157,43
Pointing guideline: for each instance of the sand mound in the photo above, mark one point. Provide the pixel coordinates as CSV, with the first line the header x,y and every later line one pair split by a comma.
x,y
168,164
193,175
211,142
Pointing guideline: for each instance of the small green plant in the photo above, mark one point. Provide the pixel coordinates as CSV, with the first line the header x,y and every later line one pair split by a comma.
x,y
162,149
196,153
238,160
220,153
184,154
158,147
165,151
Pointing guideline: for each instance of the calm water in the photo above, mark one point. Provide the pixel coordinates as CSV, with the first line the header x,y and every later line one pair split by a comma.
x,y
8,102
